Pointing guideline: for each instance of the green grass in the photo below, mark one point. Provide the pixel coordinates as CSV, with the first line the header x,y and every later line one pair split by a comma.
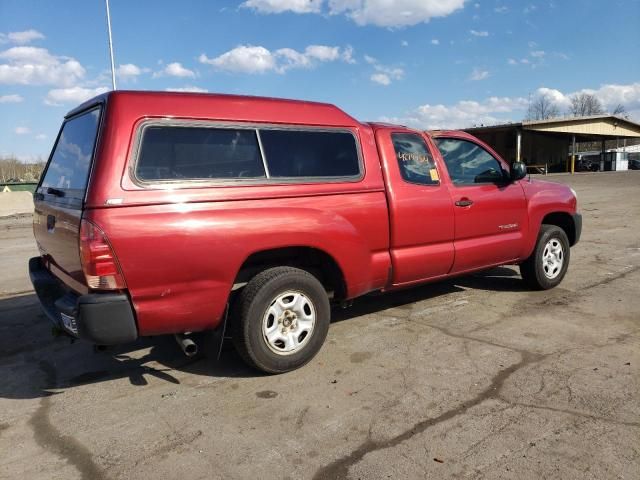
x,y
19,187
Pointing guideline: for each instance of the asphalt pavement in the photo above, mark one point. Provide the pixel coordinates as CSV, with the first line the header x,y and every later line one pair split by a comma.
x,y
473,378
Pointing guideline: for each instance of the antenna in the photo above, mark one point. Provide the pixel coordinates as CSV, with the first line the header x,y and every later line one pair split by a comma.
x,y
113,70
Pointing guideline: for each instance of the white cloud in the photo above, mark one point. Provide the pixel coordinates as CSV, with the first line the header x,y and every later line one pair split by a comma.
x,y
128,71
36,66
323,53
494,110
26,36
529,9
243,59
382,13
22,130
478,74
290,58
188,88
556,96
41,136
175,69
537,56
628,95
501,9
73,95
280,6
611,95
347,55
394,13
13,98
465,113
258,59
383,75
381,79
394,73
515,61
435,41
481,33
404,43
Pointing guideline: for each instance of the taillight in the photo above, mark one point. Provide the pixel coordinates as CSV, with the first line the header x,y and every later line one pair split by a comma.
x,y
99,263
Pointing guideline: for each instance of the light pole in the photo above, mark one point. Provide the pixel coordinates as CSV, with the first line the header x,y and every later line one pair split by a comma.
x,y
113,70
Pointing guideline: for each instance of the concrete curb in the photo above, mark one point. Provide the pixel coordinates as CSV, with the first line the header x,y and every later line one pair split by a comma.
x,y
15,203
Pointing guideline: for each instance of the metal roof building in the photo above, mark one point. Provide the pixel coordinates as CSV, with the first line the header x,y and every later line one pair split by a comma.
x,y
548,143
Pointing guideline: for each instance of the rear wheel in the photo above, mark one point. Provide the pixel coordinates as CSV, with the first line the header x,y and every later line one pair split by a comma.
x,y
282,319
547,265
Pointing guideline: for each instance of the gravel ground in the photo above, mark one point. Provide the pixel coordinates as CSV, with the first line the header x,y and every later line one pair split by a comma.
x,y
471,378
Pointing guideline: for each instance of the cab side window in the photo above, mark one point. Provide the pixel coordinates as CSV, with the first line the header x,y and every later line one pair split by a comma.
x,y
415,162
469,163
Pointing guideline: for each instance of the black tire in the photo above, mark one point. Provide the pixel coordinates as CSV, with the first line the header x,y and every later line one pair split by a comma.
x,y
533,268
250,310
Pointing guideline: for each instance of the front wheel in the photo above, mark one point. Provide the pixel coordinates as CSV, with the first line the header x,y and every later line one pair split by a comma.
x,y
282,319
547,265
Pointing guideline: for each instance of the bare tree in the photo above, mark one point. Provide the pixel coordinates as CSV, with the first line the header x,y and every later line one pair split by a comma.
x,y
619,110
584,104
13,170
542,108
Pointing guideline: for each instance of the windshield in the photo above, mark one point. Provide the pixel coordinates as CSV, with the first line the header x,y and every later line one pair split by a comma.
x,y
68,170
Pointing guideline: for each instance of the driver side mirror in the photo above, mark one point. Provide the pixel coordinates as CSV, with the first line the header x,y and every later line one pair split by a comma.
x,y
518,171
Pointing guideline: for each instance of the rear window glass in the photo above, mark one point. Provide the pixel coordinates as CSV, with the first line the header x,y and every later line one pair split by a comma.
x,y
297,153
172,153
415,162
68,169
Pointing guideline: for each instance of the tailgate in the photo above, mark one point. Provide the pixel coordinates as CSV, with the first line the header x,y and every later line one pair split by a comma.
x,y
59,198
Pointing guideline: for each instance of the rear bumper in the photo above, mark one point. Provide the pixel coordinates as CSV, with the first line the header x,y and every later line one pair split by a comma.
x,y
101,318
577,224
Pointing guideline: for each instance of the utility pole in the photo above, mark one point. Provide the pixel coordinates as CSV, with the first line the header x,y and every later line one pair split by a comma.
x,y
573,154
113,70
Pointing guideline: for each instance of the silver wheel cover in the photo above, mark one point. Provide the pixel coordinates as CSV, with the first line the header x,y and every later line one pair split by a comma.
x,y
288,322
552,258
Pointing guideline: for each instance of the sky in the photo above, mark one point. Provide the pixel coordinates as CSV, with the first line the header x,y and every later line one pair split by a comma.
x,y
423,63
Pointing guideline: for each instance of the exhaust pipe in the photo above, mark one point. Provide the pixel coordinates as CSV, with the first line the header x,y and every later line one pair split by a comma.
x,y
187,345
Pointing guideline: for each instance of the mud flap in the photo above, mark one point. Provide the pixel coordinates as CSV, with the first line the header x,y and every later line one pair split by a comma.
x,y
217,335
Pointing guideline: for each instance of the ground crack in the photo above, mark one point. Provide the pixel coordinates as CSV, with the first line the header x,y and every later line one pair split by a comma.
x,y
612,278
340,468
49,438
571,412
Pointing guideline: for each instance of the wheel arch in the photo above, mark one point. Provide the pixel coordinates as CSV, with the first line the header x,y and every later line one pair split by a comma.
x,y
317,262
564,221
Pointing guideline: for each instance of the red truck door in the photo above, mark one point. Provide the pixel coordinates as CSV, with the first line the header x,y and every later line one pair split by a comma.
x,y
420,208
490,210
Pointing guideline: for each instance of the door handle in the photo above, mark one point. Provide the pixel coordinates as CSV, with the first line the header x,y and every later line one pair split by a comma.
x,y
465,202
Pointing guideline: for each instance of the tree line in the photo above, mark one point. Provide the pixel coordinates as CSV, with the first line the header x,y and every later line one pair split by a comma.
x,y
13,170
543,107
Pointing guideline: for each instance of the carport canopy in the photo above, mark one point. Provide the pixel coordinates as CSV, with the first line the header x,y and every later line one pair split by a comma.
x,y
549,142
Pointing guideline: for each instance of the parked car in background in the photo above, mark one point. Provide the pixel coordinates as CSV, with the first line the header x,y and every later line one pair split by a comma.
x,y
173,213
587,164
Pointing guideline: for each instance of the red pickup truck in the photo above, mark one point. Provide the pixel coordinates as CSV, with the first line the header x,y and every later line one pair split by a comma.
x,y
170,213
